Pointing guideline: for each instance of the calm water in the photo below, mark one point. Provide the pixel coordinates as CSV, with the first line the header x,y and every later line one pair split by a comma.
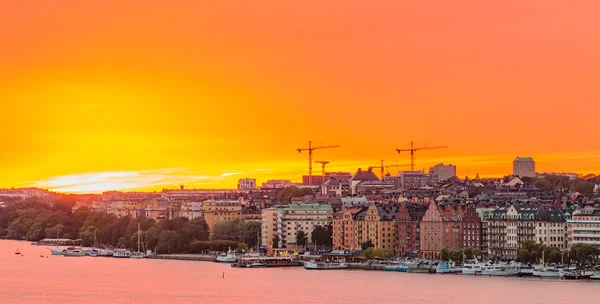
x,y
57,279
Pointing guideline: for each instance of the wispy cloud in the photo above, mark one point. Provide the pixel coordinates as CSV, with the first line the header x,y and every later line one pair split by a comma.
x,y
231,174
96,182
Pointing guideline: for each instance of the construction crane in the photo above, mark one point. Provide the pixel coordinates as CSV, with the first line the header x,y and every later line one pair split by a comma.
x,y
310,150
412,152
323,164
382,167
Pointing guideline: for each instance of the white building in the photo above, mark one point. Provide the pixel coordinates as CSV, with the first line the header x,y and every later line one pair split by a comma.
x,y
444,172
584,227
524,167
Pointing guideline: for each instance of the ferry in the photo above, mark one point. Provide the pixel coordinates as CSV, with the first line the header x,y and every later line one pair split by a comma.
x,y
473,268
262,262
596,275
578,275
526,270
500,270
325,265
449,267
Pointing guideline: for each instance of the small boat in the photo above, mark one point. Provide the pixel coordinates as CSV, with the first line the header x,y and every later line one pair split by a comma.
x,y
596,275
396,267
449,267
18,251
229,257
121,253
73,252
473,268
57,251
578,275
325,265
547,272
256,265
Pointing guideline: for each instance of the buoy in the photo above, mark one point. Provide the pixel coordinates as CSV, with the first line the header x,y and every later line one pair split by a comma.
x,y
506,276
523,277
581,279
223,274
456,273
489,275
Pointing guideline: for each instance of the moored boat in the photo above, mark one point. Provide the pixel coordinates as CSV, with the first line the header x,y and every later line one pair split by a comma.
x,y
526,270
314,265
396,267
73,252
57,251
500,270
229,257
547,272
596,275
121,253
578,275
263,261
449,267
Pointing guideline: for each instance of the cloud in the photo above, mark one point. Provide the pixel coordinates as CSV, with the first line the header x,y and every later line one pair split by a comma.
x,y
227,174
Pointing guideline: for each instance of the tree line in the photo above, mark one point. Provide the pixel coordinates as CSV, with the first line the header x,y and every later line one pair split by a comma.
x,y
33,221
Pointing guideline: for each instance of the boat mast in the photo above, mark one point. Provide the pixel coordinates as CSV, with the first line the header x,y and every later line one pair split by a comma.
x,y
139,239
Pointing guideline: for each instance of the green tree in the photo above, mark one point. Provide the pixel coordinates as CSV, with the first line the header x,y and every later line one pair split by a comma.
x,y
582,186
301,238
168,241
584,254
543,184
242,248
286,194
275,242
373,253
366,245
321,236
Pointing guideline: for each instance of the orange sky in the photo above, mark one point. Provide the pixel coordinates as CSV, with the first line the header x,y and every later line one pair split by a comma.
x,y
150,94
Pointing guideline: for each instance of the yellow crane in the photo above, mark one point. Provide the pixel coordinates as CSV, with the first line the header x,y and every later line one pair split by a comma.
x,y
382,167
412,150
310,150
323,164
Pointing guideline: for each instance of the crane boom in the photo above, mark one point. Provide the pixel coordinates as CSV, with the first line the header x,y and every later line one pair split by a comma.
x,y
412,150
382,167
310,150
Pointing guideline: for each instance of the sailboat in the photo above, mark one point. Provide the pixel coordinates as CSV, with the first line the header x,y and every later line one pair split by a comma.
x,y
138,254
57,250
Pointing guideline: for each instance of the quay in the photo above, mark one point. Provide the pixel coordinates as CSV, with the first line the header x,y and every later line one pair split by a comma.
x,y
184,257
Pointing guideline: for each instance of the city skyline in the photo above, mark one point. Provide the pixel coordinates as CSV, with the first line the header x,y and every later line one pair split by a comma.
x,y
151,95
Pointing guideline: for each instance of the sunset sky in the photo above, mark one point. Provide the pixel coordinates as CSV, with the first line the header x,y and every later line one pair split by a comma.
x,y
152,94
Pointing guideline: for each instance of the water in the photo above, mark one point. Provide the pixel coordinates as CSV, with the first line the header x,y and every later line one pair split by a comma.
x,y
57,279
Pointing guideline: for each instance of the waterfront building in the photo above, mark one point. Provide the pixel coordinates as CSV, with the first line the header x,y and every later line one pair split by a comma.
x,y
443,172
584,227
343,232
408,223
471,225
290,220
246,184
24,193
524,167
376,224
220,211
441,227
510,226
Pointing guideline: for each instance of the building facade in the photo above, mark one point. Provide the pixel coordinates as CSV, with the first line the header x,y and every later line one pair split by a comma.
x,y
442,226
524,167
343,233
408,223
584,227
376,224
285,223
443,172
247,184
220,211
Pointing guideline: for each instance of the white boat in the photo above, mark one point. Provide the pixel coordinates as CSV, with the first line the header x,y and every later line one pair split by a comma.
x,y
473,268
121,253
449,267
526,270
57,251
325,265
547,272
229,257
500,270
596,275
73,252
